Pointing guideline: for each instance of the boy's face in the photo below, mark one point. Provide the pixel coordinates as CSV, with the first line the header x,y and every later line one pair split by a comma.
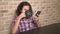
x,y
25,8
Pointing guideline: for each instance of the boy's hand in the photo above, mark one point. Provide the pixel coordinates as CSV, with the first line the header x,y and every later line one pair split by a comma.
x,y
36,18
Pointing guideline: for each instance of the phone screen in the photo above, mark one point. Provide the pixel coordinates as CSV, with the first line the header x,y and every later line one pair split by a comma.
x,y
38,13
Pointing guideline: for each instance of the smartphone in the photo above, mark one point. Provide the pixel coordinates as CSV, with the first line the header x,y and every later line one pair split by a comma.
x,y
38,13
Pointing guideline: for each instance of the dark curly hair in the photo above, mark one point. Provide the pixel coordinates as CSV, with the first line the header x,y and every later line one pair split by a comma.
x,y
20,6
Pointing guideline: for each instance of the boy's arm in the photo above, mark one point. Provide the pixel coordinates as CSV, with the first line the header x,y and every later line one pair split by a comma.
x,y
37,20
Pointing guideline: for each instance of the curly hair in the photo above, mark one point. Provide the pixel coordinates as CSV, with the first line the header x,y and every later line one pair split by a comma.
x,y
20,6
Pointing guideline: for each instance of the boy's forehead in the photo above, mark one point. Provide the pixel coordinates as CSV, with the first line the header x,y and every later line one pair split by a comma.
x,y
26,7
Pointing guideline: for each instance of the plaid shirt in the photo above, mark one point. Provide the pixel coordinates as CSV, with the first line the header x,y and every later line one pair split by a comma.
x,y
25,24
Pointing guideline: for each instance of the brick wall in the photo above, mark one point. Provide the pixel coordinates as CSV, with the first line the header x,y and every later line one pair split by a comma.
x,y
50,12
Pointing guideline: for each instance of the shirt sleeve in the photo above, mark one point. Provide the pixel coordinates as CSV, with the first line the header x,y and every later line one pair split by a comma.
x,y
34,22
